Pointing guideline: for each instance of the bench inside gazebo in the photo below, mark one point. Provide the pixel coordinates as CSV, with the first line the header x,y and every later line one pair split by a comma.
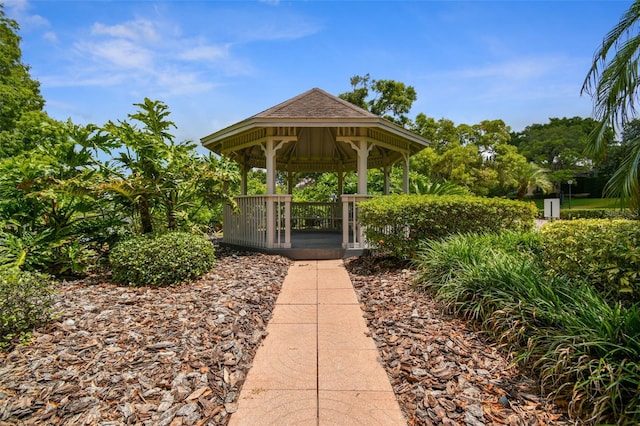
x,y
312,132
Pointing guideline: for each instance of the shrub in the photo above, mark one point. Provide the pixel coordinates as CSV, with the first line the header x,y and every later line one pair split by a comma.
x,y
605,252
158,260
398,224
584,349
596,214
26,300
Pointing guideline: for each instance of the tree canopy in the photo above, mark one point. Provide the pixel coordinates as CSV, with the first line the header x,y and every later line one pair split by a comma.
x,y
387,98
19,93
558,146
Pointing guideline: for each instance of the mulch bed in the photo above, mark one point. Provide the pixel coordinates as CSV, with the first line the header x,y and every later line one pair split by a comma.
x,y
179,355
442,371
152,356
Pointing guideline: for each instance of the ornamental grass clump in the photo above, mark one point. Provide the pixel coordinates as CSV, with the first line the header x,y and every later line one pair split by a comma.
x,y
584,348
26,300
161,260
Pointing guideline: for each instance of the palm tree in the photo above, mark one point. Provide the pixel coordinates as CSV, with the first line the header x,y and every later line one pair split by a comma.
x,y
528,175
613,82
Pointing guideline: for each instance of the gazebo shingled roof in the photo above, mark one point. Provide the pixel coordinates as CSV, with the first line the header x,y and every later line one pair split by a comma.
x,y
318,131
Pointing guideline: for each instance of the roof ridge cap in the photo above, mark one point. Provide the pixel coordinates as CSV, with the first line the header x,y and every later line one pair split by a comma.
x,y
345,102
332,98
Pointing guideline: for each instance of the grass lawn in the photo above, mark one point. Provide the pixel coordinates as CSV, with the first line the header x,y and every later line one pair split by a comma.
x,y
585,203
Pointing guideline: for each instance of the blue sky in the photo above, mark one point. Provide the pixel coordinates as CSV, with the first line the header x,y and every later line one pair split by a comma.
x,y
215,63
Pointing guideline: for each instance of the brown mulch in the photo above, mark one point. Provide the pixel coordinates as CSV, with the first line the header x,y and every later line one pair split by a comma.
x,y
152,356
179,355
442,371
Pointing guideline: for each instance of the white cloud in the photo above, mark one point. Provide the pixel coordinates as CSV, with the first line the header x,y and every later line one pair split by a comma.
x,y
153,54
204,53
50,36
138,30
16,6
19,10
118,53
88,77
181,83
514,69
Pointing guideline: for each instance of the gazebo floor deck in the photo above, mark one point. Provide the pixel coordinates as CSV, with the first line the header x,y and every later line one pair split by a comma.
x,y
310,245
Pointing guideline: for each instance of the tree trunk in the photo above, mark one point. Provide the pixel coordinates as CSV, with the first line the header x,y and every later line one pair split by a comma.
x,y
145,216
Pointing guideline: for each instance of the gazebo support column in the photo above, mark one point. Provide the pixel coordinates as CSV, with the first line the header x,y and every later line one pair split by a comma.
x,y
289,182
362,147
243,179
270,148
387,184
405,172
352,235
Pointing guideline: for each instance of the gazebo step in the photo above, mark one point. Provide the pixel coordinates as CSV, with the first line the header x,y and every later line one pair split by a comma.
x,y
310,253
324,253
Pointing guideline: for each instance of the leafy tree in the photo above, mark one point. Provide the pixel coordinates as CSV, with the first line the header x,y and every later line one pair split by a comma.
x,y
19,93
50,219
464,165
323,187
477,156
506,162
558,146
154,174
528,175
489,134
387,98
423,162
442,134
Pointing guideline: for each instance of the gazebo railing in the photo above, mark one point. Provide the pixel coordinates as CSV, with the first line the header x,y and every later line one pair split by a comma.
x,y
352,232
316,217
248,225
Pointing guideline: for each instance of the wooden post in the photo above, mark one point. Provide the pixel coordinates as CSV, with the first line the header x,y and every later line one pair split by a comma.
x,y
362,148
243,179
289,182
363,155
387,184
405,172
270,148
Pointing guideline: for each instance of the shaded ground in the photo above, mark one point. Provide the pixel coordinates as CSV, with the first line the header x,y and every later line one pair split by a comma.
x,y
441,371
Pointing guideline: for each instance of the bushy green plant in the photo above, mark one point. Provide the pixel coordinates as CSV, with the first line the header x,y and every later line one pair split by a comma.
x,y
597,214
26,300
605,252
159,260
399,224
584,349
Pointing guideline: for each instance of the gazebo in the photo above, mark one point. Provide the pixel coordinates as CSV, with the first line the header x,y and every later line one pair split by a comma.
x,y
312,132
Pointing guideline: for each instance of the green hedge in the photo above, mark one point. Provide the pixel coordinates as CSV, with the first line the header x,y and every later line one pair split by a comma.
x,y
605,252
398,224
26,300
158,260
596,214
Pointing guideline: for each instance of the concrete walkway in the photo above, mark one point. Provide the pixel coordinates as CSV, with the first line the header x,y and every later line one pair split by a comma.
x,y
317,366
